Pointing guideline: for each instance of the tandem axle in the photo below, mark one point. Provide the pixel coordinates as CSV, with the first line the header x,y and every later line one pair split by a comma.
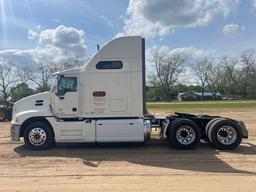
x,y
184,131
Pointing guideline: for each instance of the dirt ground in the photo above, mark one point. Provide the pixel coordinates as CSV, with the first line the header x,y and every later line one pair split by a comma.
x,y
152,167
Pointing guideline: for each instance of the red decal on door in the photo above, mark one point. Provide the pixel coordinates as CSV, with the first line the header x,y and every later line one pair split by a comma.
x,y
99,93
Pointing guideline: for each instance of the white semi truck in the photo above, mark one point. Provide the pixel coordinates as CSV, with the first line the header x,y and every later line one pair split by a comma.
x,y
104,101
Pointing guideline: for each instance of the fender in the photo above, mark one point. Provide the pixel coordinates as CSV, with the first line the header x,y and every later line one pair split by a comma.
x,y
21,117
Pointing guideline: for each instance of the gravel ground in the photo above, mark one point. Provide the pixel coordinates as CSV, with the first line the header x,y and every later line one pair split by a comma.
x,y
151,167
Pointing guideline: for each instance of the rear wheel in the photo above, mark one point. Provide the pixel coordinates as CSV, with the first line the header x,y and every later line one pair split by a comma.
x,y
209,124
38,136
184,134
225,134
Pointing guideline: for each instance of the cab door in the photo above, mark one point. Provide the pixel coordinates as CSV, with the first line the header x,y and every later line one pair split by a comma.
x,y
66,100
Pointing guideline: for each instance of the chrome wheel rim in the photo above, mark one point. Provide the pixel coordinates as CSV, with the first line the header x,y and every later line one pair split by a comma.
x,y
37,136
227,135
185,135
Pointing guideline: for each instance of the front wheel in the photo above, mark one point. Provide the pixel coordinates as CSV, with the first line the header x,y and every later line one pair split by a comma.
x,y
184,134
38,136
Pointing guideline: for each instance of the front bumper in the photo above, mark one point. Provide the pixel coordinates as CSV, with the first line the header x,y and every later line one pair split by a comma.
x,y
15,132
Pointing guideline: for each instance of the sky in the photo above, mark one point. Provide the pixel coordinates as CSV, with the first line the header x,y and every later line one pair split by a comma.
x,y
32,31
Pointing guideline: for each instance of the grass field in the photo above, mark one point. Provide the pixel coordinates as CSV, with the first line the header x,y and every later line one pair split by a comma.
x,y
202,104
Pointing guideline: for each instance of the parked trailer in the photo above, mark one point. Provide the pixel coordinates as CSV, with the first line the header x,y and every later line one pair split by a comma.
x,y
5,111
104,101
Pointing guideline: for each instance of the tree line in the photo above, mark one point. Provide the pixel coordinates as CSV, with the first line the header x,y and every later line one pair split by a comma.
x,y
230,76
19,82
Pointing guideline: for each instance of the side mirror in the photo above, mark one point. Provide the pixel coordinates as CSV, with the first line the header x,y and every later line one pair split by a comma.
x,y
54,89
61,93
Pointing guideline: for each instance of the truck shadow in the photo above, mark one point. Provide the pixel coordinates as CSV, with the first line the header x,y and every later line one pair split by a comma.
x,y
153,153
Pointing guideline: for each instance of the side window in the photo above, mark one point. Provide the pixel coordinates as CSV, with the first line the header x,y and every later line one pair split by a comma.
x,y
109,65
67,84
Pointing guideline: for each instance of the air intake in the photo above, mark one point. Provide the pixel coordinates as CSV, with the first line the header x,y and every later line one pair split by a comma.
x,y
39,102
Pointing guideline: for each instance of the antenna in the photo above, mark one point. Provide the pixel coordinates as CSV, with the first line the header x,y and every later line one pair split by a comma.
x,y
98,47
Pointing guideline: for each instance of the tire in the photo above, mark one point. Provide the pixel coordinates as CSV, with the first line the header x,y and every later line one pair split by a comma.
x,y
39,135
184,134
2,115
209,124
225,134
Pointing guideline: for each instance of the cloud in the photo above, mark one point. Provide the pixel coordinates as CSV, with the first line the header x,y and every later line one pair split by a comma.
x,y
191,54
254,3
19,58
56,20
232,29
108,22
150,17
32,35
69,40
53,45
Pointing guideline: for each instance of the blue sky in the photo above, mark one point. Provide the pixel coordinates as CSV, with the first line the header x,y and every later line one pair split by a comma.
x,y
223,27
22,15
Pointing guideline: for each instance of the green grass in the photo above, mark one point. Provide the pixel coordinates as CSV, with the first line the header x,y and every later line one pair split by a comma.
x,y
203,104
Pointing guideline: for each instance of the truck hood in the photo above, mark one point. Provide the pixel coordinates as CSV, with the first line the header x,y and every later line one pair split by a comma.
x,y
38,102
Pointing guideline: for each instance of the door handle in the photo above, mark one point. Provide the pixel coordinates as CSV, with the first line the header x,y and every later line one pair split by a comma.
x,y
74,109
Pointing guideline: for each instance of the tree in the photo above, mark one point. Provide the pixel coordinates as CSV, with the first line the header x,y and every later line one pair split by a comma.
x,y
240,73
72,62
43,77
10,77
201,70
230,74
45,70
215,79
248,62
168,67
20,91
